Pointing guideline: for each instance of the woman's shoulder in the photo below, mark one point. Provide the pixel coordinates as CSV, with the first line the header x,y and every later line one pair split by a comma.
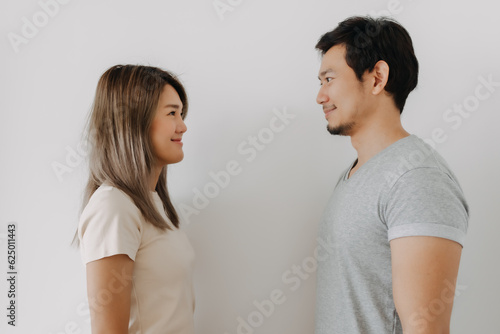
x,y
109,200
111,195
110,224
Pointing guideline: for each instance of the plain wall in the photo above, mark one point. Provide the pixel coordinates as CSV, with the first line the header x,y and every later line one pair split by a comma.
x,y
240,68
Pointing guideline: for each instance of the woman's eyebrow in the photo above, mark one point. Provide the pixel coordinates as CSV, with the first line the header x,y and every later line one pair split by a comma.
x,y
175,106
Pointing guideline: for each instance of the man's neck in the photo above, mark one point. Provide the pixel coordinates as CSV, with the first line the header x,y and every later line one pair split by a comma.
x,y
374,138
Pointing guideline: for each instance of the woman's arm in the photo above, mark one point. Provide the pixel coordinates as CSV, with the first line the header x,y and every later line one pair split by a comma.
x,y
109,285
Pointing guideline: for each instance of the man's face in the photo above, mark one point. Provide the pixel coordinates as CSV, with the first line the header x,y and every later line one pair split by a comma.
x,y
341,94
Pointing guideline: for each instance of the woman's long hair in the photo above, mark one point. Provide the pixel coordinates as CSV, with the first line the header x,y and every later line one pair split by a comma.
x,y
118,135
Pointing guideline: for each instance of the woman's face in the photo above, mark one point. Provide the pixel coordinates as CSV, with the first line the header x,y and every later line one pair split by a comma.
x,y
167,128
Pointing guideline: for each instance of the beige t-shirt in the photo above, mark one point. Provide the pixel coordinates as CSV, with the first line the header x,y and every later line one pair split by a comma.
x,y
162,294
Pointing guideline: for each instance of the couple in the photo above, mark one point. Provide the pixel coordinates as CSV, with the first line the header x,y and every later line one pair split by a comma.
x,y
397,218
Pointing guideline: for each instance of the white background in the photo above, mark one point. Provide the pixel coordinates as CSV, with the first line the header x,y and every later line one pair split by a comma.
x,y
237,68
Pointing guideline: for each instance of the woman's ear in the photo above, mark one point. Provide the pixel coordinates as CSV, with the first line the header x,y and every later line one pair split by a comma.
x,y
380,74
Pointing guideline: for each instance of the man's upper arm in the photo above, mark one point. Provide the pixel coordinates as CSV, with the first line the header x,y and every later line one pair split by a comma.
x,y
424,272
427,218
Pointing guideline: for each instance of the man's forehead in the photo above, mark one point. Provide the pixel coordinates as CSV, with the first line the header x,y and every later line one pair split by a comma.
x,y
332,60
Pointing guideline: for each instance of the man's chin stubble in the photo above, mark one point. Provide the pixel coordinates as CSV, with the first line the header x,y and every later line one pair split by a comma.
x,y
341,130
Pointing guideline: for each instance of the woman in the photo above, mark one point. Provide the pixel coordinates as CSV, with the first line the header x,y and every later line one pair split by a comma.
x,y
138,262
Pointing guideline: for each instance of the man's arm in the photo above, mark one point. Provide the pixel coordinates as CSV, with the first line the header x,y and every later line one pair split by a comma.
x,y
424,273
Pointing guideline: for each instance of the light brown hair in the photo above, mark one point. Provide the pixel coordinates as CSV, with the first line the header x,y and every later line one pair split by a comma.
x,y
118,135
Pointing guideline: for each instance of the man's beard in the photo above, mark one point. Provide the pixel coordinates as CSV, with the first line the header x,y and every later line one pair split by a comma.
x,y
341,130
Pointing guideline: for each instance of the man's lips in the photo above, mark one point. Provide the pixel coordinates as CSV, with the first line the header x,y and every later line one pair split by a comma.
x,y
328,110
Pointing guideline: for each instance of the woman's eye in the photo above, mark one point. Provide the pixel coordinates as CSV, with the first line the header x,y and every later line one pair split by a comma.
x,y
172,113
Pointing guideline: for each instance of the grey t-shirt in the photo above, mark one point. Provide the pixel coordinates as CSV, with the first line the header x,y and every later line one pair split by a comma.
x,y
405,190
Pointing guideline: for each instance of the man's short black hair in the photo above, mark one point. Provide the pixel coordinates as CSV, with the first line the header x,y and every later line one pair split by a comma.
x,y
368,40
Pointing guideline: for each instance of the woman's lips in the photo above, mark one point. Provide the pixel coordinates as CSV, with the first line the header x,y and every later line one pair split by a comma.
x,y
178,141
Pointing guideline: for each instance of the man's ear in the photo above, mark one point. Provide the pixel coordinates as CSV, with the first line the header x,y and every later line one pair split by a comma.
x,y
380,75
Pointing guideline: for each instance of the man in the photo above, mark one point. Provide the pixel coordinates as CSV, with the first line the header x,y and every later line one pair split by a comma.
x,y
397,217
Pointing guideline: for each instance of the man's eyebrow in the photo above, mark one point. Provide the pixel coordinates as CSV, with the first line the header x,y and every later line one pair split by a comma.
x,y
322,74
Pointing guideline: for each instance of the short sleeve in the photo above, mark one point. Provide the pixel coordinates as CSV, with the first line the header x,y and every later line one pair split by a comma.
x,y
427,202
110,224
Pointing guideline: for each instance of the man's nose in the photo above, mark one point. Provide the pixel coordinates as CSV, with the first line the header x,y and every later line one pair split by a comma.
x,y
322,96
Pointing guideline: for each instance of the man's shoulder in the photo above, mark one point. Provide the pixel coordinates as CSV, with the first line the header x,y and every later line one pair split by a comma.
x,y
410,155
